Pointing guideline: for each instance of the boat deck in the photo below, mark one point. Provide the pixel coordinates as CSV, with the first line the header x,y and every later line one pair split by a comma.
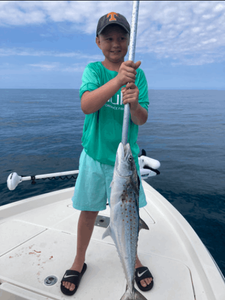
x,y
39,240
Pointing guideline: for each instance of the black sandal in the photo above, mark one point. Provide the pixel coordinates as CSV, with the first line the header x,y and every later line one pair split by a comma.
x,y
72,277
143,273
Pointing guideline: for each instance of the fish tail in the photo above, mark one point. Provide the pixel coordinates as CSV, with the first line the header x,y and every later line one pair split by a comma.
x,y
132,295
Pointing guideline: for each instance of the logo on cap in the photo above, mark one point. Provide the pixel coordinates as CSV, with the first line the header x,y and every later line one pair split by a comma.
x,y
112,16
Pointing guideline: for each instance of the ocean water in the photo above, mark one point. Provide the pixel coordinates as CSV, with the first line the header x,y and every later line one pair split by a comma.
x,y
40,132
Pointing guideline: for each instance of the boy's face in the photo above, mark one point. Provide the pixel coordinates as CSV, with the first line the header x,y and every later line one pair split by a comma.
x,y
113,41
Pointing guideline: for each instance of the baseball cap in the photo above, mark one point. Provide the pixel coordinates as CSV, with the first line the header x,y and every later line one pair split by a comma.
x,y
112,18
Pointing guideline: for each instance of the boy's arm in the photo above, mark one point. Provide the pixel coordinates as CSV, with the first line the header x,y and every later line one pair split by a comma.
x,y
94,100
139,116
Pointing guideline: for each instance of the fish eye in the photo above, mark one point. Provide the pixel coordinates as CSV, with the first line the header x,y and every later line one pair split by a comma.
x,y
130,158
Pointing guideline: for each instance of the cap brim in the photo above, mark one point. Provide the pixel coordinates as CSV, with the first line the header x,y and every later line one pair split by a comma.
x,y
117,23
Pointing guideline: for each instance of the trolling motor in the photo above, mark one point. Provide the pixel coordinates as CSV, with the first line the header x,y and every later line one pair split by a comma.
x,y
148,168
14,179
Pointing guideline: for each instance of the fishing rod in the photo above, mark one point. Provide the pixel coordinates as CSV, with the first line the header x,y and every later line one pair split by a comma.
x,y
126,114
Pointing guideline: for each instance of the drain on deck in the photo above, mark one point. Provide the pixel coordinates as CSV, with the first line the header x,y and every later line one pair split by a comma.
x,y
50,280
102,221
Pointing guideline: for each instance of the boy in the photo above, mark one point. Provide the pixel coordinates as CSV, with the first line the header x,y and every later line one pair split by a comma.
x,y
101,102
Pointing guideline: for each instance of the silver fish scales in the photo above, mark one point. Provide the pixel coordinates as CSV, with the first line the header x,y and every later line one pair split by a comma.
x,y
124,216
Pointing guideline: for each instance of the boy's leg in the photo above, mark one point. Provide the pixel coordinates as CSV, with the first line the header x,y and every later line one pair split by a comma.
x,y
142,203
84,231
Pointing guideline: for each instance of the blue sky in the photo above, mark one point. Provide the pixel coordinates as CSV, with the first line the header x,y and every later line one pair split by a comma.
x,y
47,44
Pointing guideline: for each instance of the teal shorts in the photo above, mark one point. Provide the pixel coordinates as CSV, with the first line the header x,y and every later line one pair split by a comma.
x,y
92,188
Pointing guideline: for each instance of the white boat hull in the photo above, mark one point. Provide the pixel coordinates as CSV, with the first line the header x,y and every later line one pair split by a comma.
x,y
39,239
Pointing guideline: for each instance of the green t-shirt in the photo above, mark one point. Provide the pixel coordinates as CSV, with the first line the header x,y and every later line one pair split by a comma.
x,y
102,131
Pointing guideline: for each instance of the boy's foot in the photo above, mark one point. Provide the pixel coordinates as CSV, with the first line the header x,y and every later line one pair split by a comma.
x,y
142,275
146,283
69,283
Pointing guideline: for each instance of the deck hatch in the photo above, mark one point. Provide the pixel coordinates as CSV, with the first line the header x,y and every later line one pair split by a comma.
x,y
102,221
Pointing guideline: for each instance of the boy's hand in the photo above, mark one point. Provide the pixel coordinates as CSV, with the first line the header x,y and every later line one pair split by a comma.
x,y
127,72
139,114
131,95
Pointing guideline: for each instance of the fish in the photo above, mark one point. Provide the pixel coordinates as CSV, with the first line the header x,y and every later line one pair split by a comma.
x,y
125,223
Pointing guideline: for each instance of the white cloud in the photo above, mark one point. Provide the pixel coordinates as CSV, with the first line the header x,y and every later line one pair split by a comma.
x,y
55,66
219,7
78,67
44,66
193,34
84,13
188,32
19,13
32,52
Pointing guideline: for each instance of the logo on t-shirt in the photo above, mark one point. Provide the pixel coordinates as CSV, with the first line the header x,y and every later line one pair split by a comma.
x,y
115,102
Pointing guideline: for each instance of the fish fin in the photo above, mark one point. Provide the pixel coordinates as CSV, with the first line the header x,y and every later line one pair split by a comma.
x,y
142,225
107,232
134,295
